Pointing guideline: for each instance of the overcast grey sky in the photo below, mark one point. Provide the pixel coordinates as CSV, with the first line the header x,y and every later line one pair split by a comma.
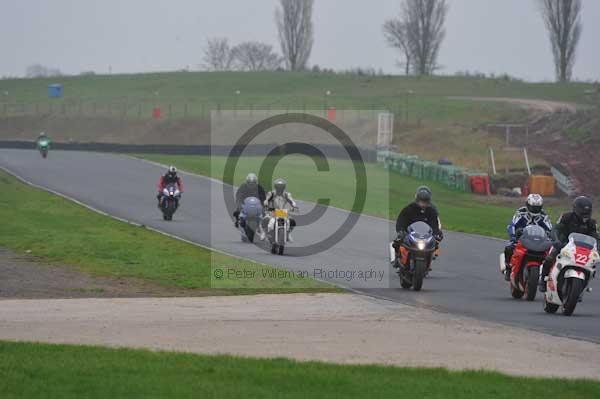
x,y
154,35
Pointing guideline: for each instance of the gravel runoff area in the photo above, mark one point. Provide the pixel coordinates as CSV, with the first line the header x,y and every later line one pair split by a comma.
x,y
341,328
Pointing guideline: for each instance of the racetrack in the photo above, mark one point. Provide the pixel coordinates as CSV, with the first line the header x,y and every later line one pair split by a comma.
x,y
465,280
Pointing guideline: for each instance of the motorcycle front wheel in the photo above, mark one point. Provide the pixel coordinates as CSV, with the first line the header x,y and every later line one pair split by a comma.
x,y
419,274
532,283
574,290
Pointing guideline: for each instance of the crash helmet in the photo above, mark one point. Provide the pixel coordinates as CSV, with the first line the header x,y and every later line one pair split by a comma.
x,y
534,204
279,185
42,134
582,206
251,179
172,172
423,196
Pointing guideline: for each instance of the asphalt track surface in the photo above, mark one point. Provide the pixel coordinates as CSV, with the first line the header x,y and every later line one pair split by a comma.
x,y
465,280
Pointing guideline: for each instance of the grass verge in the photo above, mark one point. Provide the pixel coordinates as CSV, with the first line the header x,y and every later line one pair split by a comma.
x,y
387,192
60,231
39,371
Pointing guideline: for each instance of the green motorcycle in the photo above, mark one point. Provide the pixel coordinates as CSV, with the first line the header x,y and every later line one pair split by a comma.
x,y
43,147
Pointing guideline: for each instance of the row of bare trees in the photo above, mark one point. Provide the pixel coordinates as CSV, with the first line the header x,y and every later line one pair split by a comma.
x,y
418,33
219,55
295,28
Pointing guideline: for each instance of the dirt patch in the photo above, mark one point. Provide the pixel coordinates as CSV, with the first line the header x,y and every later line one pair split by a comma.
x,y
544,106
341,328
22,276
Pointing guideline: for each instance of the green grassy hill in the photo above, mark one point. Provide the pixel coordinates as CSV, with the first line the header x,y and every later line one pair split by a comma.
x,y
196,93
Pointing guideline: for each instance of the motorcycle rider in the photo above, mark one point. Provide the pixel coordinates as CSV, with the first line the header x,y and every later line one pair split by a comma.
x,y
420,210
170,177
279,198
531,213
250,188
579,220
42,136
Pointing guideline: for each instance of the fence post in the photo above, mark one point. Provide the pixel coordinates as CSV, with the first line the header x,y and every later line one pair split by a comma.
x,y
139,116
170,111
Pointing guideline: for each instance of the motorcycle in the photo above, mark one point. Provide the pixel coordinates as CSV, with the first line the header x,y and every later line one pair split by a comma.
x,y
414,255
43,147
571,274
251,214
278,230
170,201
529,254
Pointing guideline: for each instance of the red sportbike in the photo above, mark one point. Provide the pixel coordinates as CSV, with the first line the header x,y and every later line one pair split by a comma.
x,y
529,254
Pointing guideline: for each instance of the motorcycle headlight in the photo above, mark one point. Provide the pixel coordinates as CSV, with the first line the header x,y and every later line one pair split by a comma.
x,y
421,245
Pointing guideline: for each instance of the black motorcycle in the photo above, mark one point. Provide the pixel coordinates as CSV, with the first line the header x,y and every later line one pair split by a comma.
x,y
170,201
415,252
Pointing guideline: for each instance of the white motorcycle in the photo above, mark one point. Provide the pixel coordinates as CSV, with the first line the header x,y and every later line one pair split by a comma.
x,y
278,230
571,274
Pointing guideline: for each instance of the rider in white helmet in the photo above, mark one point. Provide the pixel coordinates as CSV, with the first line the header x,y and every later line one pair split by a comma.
x,y
279,198
531,213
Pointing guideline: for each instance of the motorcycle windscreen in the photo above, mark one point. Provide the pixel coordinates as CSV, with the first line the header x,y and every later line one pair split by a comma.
x,y
581,240
535,239
420,230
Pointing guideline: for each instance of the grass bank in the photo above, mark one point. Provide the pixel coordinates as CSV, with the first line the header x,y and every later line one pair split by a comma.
x,y
60,371
194,94
60,231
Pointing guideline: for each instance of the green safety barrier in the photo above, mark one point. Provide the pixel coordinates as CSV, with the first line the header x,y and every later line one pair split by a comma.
x,y
455,177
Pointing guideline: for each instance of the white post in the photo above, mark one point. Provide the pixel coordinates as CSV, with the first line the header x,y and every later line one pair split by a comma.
x,y
526,160
493,160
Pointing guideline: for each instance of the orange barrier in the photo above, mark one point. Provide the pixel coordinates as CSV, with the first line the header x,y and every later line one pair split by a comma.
x,y
542,185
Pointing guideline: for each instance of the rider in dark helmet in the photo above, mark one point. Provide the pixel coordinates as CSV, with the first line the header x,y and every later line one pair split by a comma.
x,y
420,210
250,188
579,220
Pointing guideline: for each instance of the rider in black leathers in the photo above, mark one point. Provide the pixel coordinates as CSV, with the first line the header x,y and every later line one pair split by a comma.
x,y
577,221
250,188
420,210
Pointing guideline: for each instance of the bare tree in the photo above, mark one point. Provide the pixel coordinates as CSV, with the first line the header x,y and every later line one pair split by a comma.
x,y
421,28
396,36
41,71
295,27
218,55
256,56
563,21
